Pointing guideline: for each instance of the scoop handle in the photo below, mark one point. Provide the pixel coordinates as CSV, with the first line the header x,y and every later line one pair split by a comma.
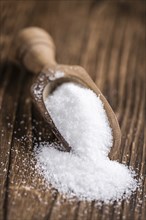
x,y
35,49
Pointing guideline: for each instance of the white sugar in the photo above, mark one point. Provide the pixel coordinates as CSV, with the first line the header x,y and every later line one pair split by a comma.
x,y
58,74
86,172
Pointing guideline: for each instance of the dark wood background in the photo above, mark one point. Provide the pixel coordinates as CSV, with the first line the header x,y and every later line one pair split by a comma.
x,y
107,38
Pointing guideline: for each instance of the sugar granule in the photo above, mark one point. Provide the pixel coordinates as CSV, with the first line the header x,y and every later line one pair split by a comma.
x,y
86,172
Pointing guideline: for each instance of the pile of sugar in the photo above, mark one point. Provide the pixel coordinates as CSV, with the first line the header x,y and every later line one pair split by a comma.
x,y
86,172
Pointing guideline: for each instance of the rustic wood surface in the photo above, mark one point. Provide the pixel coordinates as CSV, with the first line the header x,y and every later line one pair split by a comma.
x,y
108,39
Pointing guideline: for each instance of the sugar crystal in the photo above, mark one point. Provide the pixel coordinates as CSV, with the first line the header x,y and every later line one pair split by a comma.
x,y
86,172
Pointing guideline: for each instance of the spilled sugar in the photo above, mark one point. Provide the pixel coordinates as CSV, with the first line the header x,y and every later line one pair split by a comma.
x,y
86,172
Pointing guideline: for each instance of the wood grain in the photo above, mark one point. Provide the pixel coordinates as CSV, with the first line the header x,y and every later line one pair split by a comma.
x,y
107,38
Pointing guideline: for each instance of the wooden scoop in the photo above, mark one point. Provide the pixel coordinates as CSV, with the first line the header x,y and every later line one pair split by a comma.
x,y
36,50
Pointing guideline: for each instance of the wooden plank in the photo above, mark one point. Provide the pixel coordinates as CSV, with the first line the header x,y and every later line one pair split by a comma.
x,y
7,118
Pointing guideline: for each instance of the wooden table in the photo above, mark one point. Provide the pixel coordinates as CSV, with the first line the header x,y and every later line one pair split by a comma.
x,y
108,39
